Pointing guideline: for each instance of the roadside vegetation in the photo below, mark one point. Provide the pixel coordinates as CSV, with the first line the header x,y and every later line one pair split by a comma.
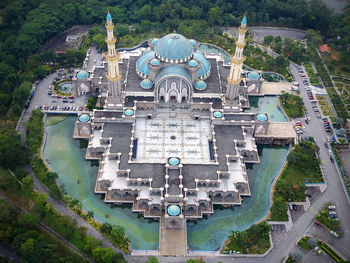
x,y
292,104
324,218
254,240
336,147
308,243
303,167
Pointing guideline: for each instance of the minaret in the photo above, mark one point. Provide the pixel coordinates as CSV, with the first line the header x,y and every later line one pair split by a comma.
x,y
112,56
234,78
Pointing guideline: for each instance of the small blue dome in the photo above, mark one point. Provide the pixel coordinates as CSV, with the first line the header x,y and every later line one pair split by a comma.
x,y
84,118
193,42
109,17
174,161
174,46
244,20
141,64
155,62
174,210
254,75
192,63
205,64
200,85
146,84
154,41
82,74
261,117
129,112
217,114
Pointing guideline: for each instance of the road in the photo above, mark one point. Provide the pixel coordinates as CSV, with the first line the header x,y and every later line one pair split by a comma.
x,y
334,193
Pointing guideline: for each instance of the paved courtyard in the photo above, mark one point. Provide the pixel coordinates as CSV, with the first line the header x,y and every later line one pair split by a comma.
x,y
161,138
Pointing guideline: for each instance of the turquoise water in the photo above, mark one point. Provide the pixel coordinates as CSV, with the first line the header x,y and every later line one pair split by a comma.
x,y
209,234
209,49
66,87
269,105
67,159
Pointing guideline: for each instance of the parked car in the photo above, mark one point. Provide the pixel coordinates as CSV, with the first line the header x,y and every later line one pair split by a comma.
x,y
332,159
334,233
333,216
81,108
332,212
331,207
326,145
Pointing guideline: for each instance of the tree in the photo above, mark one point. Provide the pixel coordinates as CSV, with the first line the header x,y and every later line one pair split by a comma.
x,y
28,220
27,183
312,242
268,39
152,259
106,228
90,214
297,256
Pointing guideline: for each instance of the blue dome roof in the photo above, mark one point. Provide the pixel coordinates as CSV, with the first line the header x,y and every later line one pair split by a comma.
x,y
174,210
129,112
173,70
254,75
146,84
141,64
217,114
200,85
154,41
82,74
205,64
155,62
109,17
174,46
193,42
174,161
244,20
261,117
84,118
192,63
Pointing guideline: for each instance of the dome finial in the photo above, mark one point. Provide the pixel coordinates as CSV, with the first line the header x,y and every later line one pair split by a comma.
x,y
174,33
244,20
109,17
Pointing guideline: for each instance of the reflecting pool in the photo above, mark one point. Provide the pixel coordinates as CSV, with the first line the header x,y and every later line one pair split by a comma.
x,y
269,105
66,87
78,178
210,49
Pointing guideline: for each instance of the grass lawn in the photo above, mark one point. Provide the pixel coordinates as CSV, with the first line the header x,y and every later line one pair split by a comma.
x,y
254,240
323,217
292,105
304,244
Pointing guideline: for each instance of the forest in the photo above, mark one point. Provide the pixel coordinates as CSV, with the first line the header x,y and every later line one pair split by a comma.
x,y
26,25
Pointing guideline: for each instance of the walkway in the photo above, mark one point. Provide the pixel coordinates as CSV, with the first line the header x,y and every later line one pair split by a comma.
x,y
172,242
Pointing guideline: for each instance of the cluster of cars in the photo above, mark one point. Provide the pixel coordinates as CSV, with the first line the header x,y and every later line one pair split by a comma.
x,y
299,128
310,95
292,207
59,108
317,111
30,97
327,125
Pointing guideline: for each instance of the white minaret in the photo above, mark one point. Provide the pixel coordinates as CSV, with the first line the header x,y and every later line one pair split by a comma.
x,y
112,57
234,78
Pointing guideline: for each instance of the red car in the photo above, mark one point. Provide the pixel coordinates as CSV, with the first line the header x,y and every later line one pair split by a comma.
x,y
326,145
317,223
58,97
71,97
81,108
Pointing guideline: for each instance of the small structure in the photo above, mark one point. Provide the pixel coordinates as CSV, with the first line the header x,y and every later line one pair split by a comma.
x,y
74,41
324,48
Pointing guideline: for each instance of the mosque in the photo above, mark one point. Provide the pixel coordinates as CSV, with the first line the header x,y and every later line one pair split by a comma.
x,y
173,138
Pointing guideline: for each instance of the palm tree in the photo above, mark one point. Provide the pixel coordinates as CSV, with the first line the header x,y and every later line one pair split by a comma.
x,y
90,214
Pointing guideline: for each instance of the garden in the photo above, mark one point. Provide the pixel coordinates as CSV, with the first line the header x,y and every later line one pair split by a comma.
x,y
324,219
254,240
303,167
311,74
325,107
292,104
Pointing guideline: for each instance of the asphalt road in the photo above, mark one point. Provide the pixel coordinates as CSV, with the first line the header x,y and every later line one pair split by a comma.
x,y
261,32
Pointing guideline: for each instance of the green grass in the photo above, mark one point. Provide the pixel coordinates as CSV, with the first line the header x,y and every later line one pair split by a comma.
x,y
254,240
292,105
303,243
323,218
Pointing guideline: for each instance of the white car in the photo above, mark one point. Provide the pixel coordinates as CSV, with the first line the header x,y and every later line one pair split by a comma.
x,y
334,234
331,207
332,212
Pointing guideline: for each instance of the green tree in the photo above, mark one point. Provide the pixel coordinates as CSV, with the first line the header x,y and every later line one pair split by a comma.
x,y
268,39
152,259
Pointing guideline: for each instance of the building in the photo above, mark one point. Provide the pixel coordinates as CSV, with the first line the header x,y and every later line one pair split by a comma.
x,y
173,138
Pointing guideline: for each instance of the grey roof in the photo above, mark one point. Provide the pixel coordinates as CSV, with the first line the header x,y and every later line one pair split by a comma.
x,y
213,84
239,117
107,114
133,83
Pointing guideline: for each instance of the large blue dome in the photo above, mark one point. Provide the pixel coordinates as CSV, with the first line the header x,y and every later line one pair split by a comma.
x,y
204,70
141,64
174,46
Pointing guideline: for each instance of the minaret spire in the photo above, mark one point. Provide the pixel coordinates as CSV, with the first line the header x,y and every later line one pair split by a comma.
x,y
234,77
112,56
